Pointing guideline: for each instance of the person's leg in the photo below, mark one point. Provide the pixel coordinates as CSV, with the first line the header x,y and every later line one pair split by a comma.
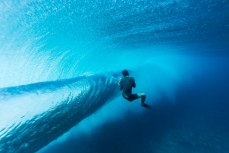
x,y
136,96
143,97
133,97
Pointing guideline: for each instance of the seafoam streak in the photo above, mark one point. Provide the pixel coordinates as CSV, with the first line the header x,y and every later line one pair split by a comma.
x,y
33,115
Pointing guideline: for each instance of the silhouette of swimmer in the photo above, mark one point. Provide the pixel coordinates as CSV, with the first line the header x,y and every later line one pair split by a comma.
x,y
126,84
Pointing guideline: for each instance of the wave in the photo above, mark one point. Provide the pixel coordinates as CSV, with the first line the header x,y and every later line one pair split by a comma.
x,y
70,38
43,111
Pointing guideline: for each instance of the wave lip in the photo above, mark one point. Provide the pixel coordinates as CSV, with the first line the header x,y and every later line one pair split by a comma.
x,y
33,115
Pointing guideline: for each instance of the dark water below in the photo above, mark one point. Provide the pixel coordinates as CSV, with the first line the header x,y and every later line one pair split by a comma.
x,y
196,123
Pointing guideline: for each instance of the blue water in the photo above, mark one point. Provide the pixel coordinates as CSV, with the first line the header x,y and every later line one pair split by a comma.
x,y
178,52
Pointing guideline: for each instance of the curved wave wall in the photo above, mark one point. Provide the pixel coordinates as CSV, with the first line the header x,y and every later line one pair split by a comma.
x,y
43,111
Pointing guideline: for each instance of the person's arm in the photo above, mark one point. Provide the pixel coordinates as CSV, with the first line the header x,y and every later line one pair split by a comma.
x,y
120,84
134,84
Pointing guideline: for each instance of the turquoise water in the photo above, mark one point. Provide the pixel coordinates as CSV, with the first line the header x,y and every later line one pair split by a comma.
x,y
177,51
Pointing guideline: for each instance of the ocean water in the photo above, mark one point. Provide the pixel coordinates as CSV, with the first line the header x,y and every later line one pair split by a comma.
x,y
61,60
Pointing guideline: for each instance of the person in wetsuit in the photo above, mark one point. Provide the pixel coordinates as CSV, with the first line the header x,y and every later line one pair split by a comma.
x,y
126,84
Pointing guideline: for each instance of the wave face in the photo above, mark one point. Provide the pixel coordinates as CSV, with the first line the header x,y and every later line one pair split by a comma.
x,y
49,40
177,50
41,112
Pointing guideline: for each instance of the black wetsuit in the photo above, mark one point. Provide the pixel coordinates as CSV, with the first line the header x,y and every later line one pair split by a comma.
x,y
126,85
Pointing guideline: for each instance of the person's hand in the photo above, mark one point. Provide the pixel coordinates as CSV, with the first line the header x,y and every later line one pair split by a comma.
x,y
119,81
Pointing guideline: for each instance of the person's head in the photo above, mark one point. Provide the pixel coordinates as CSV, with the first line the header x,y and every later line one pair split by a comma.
x,y
125,73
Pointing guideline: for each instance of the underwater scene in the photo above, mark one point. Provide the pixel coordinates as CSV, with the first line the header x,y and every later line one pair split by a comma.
x,y
61,63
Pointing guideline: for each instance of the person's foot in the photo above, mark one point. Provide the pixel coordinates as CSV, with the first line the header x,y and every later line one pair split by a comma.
x,y
146,106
